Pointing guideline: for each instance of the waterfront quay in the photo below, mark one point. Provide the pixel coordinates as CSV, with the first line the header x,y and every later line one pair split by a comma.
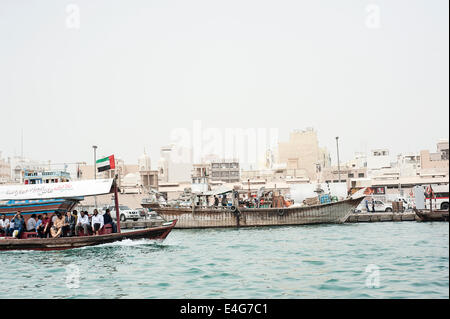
x,y
381,217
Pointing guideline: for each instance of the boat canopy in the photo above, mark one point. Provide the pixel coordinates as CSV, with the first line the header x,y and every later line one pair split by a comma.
x,y
219,191
57,190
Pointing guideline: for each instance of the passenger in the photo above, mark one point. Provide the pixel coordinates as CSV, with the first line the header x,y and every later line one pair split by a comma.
x,y
83,222
44,229
59,223
216,201
38,222
70,221
224,200
53,218
19,223
31,223
107,219
373,205
75,215
97,222
4,225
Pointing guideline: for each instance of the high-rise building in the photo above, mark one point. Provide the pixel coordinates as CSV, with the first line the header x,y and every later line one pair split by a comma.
x,y
302,152
225,170
175,164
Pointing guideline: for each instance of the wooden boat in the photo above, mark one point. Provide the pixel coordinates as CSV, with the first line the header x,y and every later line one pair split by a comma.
x,y
158,233
73,190
336,212
430,216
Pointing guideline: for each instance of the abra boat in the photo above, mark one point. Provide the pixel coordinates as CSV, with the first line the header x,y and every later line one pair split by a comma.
x,y
335,212
77,189
158,233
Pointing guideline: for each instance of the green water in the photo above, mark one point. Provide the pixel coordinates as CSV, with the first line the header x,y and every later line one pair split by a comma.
x,y
403,259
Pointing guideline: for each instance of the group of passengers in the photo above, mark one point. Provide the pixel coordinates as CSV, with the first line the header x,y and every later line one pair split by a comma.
x,y
60,225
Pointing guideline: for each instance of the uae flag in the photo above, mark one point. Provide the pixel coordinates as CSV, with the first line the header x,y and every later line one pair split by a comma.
x,y
105,164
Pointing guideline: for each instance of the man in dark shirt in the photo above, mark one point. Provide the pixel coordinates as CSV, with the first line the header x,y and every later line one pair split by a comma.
x,y
19,223
224,200
107,219
71,221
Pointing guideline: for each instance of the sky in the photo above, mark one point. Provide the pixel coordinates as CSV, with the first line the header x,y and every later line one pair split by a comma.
x,y
124,75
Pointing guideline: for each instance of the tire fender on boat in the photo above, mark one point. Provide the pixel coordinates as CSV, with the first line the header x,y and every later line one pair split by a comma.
x,y
235,211
280,212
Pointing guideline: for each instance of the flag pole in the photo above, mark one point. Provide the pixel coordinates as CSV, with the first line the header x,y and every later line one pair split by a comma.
x,y
116,202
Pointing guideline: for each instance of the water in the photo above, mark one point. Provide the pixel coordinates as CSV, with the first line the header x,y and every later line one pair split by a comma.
x,y
403,260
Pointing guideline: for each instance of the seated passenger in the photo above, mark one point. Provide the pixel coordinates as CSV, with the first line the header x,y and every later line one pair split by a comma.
x,y
19,224
43,229
97,222
31,223
107,219
4,225
70,221
59,223
83,222
38,222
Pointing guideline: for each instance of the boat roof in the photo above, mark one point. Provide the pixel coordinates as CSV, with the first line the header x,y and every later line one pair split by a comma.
x,y
82,188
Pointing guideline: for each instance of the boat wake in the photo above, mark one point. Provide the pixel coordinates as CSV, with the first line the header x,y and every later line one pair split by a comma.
x,y
130,243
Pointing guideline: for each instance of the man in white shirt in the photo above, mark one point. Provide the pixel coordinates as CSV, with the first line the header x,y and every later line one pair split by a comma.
x,y
83,222
4,225
31,223
97,222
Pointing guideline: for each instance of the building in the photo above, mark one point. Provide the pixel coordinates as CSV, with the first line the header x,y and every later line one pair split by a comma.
x,y
225,170
148,177
5,170
21,164
175,164
201,174
438,160
45,177
346,174
378,159
302,154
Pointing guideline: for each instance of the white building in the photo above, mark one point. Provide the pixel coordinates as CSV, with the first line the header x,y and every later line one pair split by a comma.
x,y
5,170
175,164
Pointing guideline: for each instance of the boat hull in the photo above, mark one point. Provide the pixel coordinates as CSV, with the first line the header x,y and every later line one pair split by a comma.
x,y
248,217
158,233
432,216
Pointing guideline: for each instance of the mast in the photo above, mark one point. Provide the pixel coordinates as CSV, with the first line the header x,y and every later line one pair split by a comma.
x,y
116,202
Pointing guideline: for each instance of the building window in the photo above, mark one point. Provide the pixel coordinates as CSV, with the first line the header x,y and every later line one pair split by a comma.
x,y
350,175
360,174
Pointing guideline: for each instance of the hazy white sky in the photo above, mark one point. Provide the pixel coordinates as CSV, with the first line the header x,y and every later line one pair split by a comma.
x,y
135,70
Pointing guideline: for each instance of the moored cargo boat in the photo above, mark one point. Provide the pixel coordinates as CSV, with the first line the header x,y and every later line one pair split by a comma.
x,y
336,212
432,216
